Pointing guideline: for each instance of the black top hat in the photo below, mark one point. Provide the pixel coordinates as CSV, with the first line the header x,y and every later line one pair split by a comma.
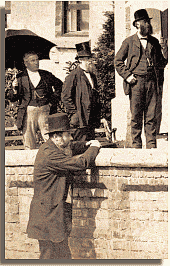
x,y
58,122
83,49
140,14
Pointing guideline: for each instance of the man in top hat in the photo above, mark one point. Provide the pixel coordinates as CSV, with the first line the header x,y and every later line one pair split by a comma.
x,y
80,96
54,168
143,76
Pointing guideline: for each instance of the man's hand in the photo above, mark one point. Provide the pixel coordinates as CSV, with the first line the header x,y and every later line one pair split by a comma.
x,y
131,79
94,143
15,82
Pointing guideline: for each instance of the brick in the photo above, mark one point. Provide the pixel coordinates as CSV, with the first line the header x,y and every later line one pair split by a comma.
x,y
79,222
12,217
102,233
120,244
102,214
11,208
122,204
99,192
9,171
91,223
104,204
119,254
119,214
109,182
92,204
76,213
141,215
102,223
81,232
101,243
75,192
101,254
26,192
85,193
12,191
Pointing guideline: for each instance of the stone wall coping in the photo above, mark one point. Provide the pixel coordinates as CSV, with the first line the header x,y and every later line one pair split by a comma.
x,y
113,157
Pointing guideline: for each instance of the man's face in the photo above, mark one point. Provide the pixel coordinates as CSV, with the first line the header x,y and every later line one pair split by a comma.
x,y
144,26
86,64
66,139
32,63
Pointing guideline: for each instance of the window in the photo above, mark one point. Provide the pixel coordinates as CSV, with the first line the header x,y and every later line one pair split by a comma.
x,y
76,17
7,12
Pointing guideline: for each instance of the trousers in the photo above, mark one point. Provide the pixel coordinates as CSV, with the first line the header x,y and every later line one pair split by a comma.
x,y
143,104
36,118
52,250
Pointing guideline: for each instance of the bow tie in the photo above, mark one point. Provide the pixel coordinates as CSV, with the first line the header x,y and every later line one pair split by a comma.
x,y
144,39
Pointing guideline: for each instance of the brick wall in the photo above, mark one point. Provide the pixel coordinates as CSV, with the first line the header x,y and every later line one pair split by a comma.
x,y
120,211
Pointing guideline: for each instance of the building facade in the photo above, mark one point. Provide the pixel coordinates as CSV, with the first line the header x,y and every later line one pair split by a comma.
x,y
69,22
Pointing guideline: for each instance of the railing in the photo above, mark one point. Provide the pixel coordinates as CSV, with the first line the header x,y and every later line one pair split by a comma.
x,y
12,138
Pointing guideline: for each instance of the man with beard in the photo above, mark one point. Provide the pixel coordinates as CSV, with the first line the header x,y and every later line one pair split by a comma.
x,y
54,168
80,96
143,76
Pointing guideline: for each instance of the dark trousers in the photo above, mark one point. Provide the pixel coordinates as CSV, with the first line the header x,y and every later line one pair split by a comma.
x,y
143,102
51,250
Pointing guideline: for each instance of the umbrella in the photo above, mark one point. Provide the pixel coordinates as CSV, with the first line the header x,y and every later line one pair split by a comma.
x,y
18,42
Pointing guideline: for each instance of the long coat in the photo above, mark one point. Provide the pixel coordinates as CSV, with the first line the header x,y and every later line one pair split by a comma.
x,y
24,94
79,98
53,172
131,50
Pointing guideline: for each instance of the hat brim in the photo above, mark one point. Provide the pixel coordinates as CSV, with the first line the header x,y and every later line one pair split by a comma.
x,y
81,56
139,19
58,130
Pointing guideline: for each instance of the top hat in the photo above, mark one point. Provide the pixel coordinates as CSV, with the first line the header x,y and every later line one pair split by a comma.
x,y
83,49
140,14
58,122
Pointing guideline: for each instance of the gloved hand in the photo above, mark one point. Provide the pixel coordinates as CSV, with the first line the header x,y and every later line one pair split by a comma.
x,y
93,143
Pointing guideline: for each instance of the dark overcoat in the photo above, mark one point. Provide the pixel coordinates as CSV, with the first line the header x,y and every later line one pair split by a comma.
x,y
130,50
53,171
24,94
79,98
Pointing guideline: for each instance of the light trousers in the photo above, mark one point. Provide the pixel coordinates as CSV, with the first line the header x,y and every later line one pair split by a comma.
x,y
36,118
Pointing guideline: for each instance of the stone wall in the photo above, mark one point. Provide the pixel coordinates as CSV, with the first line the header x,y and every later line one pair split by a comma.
x,y
119,212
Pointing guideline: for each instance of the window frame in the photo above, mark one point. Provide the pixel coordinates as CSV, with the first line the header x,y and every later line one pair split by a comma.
x,y
67,6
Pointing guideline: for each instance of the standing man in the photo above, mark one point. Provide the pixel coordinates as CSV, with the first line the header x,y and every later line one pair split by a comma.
x,y
38,93
54,169
143,76
80,96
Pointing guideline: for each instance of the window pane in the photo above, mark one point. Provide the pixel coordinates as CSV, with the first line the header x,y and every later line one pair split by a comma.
x,y
76,16
84,21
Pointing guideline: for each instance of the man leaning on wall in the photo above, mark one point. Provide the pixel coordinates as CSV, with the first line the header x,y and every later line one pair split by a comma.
x,y
54,168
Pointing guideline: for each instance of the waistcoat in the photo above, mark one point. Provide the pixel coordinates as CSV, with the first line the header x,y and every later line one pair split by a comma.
x,y
39,94
143,66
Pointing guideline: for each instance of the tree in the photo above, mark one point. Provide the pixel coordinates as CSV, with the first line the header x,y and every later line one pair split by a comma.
x,y
104,62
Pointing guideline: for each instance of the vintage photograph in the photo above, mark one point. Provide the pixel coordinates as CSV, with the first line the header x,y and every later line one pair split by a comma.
x,y
86,130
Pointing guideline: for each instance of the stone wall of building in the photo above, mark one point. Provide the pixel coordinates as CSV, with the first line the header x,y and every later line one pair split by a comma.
x,y
119,212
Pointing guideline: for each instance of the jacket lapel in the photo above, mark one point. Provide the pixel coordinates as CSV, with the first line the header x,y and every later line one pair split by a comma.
x,y
25,80
136,41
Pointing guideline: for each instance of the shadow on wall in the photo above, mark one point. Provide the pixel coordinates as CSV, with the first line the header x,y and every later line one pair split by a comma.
x,y
87,200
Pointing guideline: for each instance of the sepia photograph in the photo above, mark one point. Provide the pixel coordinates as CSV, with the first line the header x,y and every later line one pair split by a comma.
x,y
86,131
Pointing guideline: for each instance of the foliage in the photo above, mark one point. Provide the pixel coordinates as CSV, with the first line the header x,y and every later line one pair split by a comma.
x,y
71,66
10,108
104,62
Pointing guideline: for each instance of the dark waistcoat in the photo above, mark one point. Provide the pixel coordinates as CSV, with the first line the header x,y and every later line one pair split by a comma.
x,y
38,94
